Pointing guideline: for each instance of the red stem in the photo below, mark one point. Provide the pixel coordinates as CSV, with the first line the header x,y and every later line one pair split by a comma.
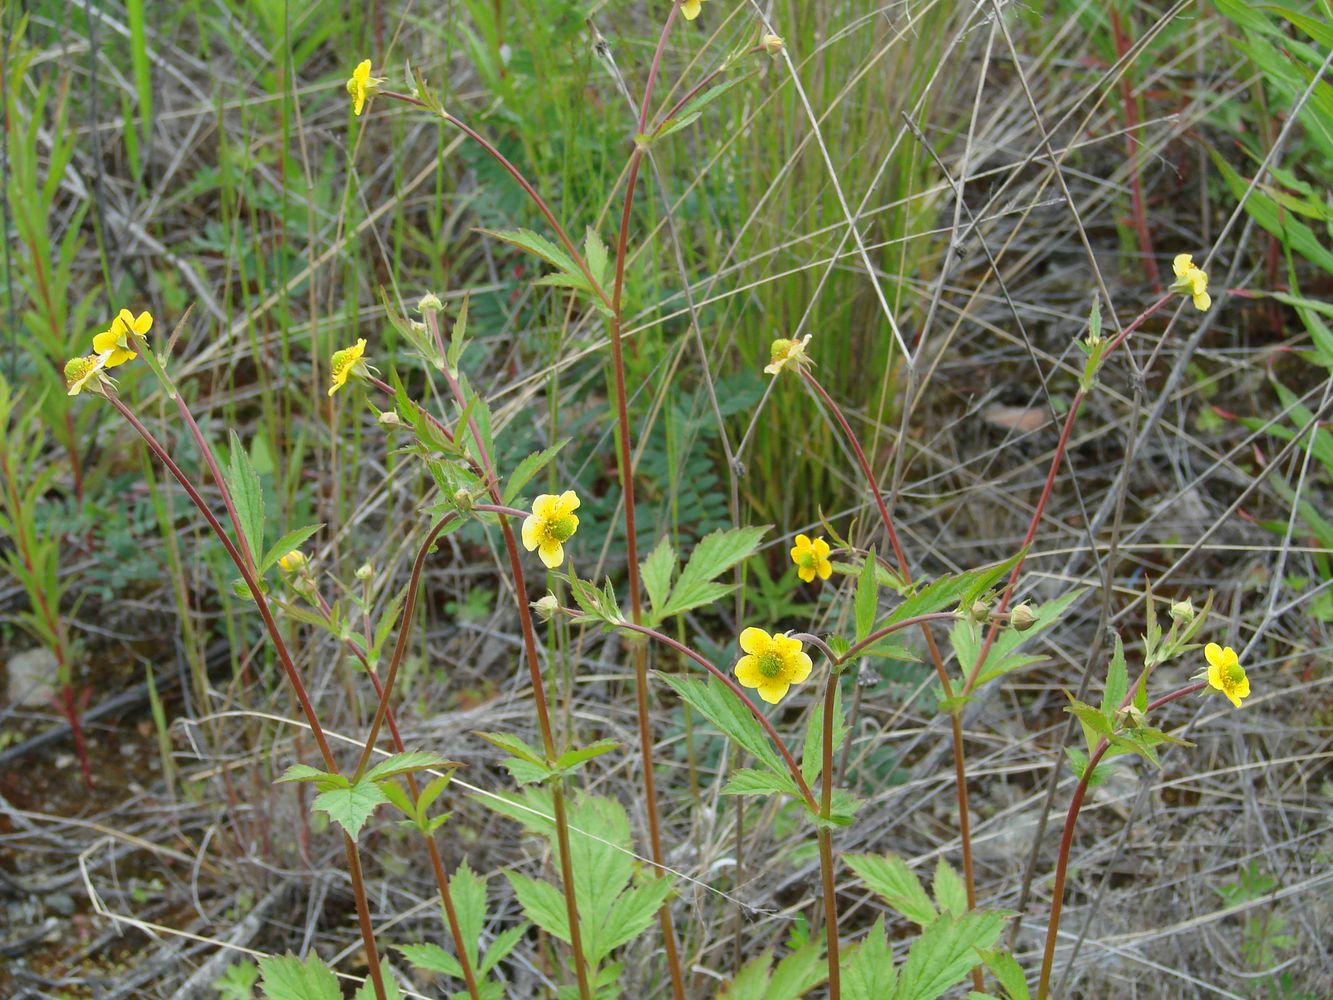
x,y
1067,838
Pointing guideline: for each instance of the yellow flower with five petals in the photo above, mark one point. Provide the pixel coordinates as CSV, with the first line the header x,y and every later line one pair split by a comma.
x,y
362,86
785,352
691,8
1191,280
772,664
551,524
811,558
1225,673
116,344
346,363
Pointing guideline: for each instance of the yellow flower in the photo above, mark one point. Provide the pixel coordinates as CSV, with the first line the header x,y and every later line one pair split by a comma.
x,y
1225,672
550,525
293,561
116,342
811,558
1190,280
690,8
362,85
79,370
773,664
786,352
346,363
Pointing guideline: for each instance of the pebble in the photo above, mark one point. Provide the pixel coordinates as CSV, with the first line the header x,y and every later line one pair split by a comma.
x,y
31,678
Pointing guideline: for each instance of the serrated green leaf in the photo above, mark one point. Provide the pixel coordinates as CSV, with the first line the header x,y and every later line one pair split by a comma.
x,y
288,542
366,991
237,982
1095,725
535,243
543,904
287,978
656,572
432,958
398,798
511,744
304,772
798,972
673,125
748,781
716,553
719,705
1117,681
468,890
950,893
867,968
867,599
402,763
570,760
890,878
945,953
350,807
432,791
1006,969
888,649
597,257
246,494
501,946
631,913
528,468
951,591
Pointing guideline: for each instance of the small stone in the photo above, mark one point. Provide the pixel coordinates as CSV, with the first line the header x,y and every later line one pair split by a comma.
x,y
59,902
32,677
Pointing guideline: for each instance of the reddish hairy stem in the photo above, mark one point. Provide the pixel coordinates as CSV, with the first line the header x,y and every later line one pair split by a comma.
x,y
825,837
1042,500
1067,838
289,668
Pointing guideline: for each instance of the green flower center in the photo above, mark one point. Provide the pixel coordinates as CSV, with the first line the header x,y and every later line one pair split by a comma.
x,y
770,664
75,369
342,360
1233,675
558,529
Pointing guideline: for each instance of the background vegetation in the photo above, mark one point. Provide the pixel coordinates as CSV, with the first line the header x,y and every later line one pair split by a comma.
x,y
1002,165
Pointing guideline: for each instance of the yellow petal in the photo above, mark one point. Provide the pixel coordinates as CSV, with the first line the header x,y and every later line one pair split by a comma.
x,y
1243,689
1213,654
546,506
801,668
821,548
1202,301
552,554
690,8
1182,264
802,541
1233,697
773,691
569,501
530,524
755,640
1215,676
747,671
825,569
806,573
105,341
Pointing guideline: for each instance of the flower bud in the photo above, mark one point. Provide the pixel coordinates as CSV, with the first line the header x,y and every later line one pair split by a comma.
x,y
464,500
546,607
772,44
365,572
293,561
1182,612
980,610
1022,618
430,303
390,418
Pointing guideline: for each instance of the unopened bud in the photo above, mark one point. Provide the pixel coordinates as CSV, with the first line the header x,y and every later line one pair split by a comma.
x,y
430,303
980,610
1022,618
546,607
463,500
365,572
293,561
772,44
390,418
1130,717
1182,612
